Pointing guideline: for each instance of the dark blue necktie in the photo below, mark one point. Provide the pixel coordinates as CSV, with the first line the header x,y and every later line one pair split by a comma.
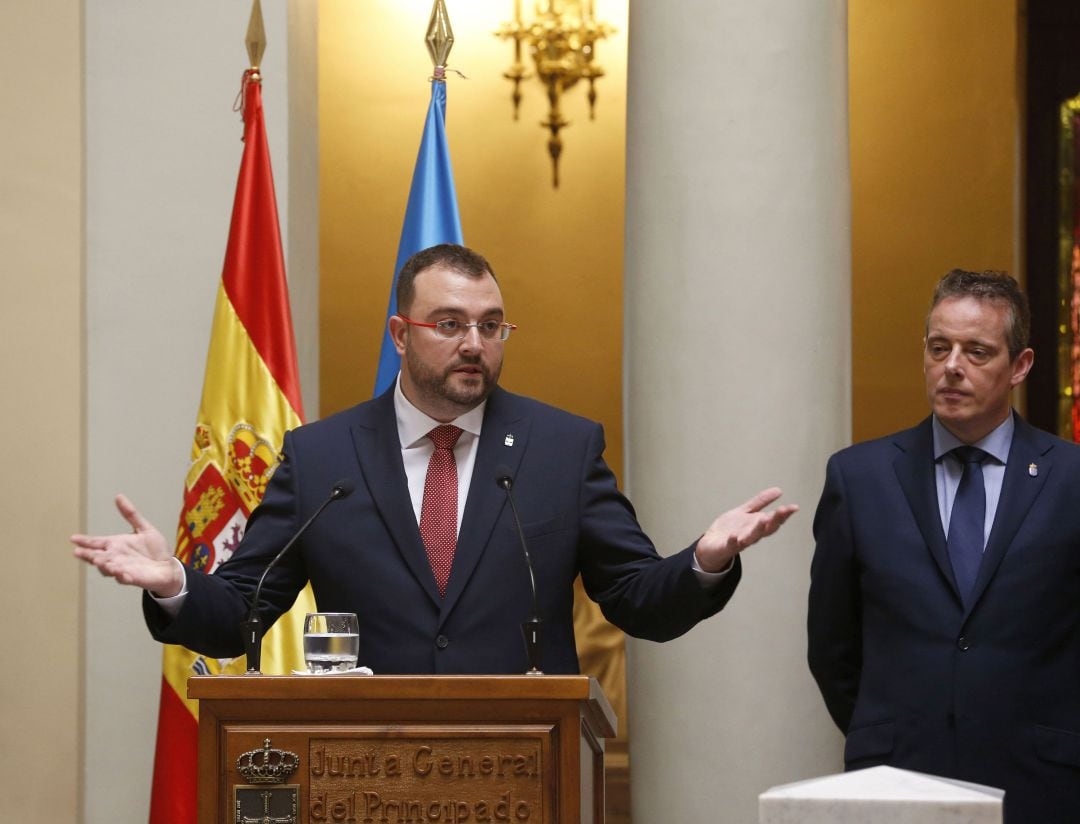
x,y
968,519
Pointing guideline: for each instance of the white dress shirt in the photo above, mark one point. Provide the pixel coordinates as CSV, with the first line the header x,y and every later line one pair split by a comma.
x,y
416,448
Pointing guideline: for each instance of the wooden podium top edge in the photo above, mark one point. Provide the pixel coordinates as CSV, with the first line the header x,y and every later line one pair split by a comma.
x,y
580,688
463,687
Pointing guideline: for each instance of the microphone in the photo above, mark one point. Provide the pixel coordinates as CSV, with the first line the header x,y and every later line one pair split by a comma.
x,y
531,628
253,626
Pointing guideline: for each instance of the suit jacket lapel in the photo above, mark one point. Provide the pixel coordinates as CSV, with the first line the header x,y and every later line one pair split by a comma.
x,y
503,440
1019,489
915,471
378,448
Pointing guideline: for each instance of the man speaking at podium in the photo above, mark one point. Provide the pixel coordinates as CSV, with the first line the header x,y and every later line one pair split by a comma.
x,y
424,548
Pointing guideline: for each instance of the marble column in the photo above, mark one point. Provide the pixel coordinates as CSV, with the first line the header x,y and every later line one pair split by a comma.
x,y
737,373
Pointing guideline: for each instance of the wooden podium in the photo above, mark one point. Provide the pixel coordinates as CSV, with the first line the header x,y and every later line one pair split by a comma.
x,y
396,749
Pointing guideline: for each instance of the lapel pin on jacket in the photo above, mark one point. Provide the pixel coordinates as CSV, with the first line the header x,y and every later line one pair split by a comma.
x,y
509,441
1033,470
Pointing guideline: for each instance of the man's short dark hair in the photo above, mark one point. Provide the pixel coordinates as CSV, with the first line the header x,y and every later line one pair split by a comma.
x,y
451,256
993,286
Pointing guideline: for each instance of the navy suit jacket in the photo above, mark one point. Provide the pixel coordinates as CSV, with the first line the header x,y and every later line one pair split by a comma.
x,y
364,554
989,693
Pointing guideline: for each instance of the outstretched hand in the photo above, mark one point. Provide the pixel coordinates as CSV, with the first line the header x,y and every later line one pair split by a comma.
x,y
741,527
138,558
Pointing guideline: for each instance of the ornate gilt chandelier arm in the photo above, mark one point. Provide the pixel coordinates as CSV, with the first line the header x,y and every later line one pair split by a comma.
x,y
516,73
562,43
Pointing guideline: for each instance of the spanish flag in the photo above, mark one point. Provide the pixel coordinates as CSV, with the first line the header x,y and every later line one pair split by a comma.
x,y
250,398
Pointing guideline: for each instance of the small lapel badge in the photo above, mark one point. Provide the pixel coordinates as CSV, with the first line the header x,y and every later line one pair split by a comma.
x,y
509,441
1033,470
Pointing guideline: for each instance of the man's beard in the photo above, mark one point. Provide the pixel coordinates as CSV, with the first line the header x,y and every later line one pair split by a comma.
x,y
439,385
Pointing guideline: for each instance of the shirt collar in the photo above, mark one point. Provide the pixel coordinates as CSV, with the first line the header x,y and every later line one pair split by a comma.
x,y
996,444
414,425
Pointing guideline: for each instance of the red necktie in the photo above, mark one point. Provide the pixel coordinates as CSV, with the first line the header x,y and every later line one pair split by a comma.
x,y
438,515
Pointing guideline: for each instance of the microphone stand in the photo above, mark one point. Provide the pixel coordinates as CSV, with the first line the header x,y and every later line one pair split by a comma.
x,y
531,628
253,627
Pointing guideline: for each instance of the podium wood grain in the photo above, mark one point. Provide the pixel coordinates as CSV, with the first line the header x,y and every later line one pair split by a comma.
x,y
392,749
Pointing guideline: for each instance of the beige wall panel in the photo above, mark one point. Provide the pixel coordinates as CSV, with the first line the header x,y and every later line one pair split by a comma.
x,y
41,403
934,177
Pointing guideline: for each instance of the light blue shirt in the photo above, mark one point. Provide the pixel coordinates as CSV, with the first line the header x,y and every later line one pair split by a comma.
x,y
948,469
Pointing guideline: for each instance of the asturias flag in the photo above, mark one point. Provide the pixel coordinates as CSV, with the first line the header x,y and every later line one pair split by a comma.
x,y
251,396
430,218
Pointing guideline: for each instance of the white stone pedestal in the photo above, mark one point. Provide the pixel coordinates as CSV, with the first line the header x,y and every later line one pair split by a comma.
x,y
880,794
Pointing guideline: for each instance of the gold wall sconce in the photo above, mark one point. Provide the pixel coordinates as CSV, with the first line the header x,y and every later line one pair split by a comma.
x,y
561,40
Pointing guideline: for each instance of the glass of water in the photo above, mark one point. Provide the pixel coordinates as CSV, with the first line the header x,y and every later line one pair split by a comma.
x,y
331,641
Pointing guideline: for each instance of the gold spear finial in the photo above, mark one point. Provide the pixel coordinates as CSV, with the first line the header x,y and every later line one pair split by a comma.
x,y
440,37
256,36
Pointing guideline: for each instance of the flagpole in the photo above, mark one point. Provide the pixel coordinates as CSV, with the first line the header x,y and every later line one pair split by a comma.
x,y
440,38
255,40
431,215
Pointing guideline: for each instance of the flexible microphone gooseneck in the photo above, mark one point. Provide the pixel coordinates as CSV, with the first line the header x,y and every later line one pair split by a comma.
x,y
531,628
253,626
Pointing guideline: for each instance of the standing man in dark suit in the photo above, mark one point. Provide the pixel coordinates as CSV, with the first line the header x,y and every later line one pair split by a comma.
x,y
944,619
425,550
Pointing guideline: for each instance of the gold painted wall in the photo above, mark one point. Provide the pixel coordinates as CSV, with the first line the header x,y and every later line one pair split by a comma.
x,y
935,107
558,254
